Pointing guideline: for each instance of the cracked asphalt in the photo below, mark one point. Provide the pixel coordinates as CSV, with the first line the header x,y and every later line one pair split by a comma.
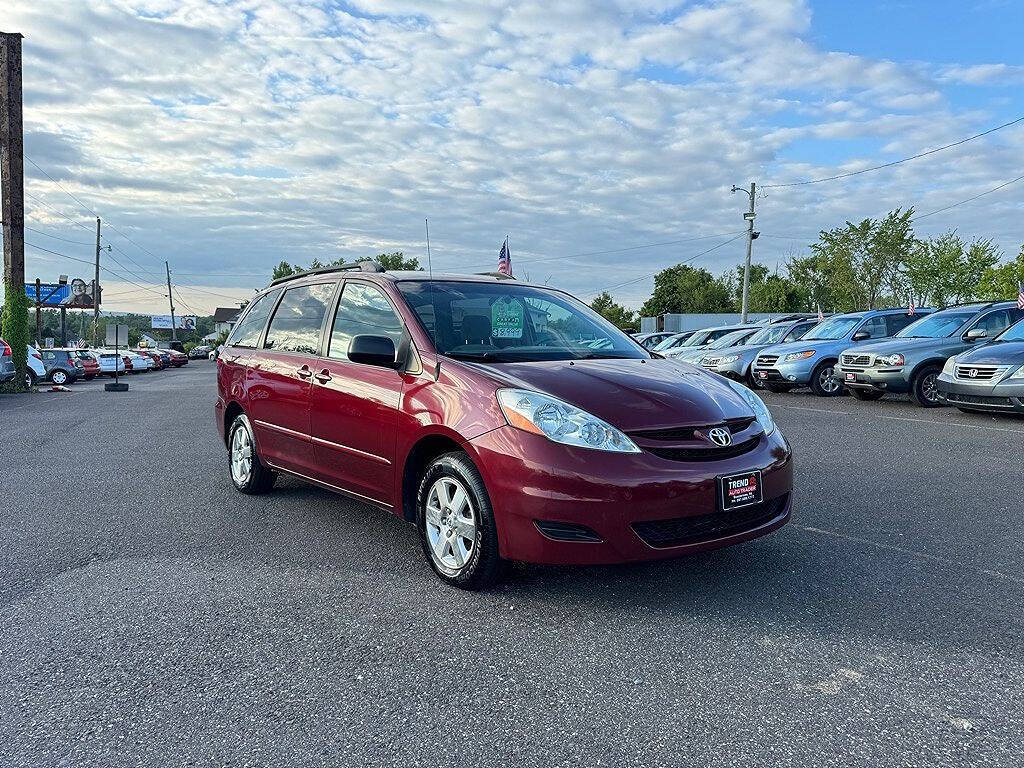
x,y
150,615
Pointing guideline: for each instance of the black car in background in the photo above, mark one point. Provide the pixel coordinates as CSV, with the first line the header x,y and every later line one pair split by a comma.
x,y
988,378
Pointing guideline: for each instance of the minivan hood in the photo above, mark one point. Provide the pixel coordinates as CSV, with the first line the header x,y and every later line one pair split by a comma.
x,y
629,394
996,353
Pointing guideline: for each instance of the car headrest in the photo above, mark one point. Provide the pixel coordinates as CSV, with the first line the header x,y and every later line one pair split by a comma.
x,y
476,329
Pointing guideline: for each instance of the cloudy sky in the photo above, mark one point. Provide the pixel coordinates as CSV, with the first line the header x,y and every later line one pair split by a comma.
x,y
226,136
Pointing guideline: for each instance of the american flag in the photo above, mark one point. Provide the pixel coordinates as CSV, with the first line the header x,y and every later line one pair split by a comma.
x,y
911,309
505,259
1020,296
820,316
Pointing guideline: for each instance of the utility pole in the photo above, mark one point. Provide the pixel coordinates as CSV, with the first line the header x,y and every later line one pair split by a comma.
x,y
12,192
170,298
96,292
749,216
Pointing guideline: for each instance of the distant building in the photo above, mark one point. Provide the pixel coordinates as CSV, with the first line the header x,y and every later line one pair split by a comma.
x,y
148,342
224,319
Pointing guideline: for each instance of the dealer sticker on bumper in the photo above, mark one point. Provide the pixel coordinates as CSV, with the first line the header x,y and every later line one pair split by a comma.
x,y
740,490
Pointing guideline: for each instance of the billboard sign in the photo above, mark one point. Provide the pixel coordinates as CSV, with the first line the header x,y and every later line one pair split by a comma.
x,y
181,322
76,294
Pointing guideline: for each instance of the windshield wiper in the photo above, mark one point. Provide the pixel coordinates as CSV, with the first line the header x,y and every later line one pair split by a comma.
x,y
602,356
481,356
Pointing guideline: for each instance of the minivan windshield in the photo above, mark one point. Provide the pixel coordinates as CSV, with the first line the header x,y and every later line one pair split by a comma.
x,y
771,334
936,326
731,339
504,322
833,328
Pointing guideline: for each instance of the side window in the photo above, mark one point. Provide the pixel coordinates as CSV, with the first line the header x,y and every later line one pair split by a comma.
x,y
363,309
875,326
994,322
295,326
49,356
897,323
247,330
797,331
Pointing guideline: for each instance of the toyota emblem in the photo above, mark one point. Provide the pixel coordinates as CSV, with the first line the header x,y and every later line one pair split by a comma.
x,y
973,373
720,436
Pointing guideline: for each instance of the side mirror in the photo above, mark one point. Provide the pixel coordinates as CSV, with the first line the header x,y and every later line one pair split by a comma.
x,y
861,335
975,334
372,350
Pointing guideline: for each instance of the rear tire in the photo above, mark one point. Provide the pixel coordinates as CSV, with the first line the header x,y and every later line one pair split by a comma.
x,y
247,472
59,377
30,379
923,390
823,380
866,394
456,524
752,382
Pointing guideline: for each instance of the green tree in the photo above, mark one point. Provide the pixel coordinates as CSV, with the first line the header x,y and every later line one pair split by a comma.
x,y
14,330
397,261
283,269
945,270
614,313
1002,281
683,288
769,292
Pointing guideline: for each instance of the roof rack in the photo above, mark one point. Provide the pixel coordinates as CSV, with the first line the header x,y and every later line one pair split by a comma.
x,y
359,266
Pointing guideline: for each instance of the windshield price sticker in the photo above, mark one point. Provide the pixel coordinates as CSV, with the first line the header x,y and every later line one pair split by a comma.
x,y
740,490
507,319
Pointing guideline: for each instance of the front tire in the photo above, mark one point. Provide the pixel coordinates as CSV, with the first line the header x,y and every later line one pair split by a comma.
x,y
30,379
823,380
456,523
248,474
866,394
923,390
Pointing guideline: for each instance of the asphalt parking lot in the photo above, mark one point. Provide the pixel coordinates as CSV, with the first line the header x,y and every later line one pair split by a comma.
x,y
150,615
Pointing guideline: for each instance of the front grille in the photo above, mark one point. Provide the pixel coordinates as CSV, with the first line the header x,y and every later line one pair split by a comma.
x,y
998,402
566,531
863,360
711,453
980,372
677,434
688,530
767,361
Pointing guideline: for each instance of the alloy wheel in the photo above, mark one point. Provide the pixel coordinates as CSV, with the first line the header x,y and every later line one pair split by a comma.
x,y
828,381
59,377
929,388
451,525
241,456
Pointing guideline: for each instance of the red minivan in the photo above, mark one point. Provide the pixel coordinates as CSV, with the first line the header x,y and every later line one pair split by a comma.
x,y
508,421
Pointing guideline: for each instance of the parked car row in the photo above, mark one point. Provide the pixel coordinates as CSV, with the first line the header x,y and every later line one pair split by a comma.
x,y
969,356
65,365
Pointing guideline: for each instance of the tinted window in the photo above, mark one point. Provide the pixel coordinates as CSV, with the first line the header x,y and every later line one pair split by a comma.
x,y
994,322
363,309
296,324
1014,332
936,326
897,323
246,332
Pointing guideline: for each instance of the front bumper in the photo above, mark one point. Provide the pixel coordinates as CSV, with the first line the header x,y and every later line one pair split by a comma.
x,y
877,379
535,483
796,373
1003,397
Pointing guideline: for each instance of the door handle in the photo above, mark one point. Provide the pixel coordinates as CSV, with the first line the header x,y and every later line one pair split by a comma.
x,y
304,372
323,377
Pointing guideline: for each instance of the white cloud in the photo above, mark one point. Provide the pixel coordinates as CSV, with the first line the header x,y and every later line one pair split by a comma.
x,y
228,136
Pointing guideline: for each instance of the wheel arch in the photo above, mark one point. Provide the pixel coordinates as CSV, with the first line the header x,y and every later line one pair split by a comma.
x,y
231,412
937,362
423,451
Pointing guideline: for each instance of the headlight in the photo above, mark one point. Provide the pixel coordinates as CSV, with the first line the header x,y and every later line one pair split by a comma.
x,y
1018,374
890,360
728,359
764,416
799,355
949,367
560,422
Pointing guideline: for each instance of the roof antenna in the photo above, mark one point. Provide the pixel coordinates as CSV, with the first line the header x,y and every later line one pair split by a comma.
x,y
433,306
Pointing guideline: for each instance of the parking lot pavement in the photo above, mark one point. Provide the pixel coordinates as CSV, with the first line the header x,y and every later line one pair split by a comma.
x,y
150,615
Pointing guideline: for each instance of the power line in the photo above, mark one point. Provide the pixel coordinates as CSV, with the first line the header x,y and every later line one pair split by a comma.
x,y
59,213
969,199
83,261
652,274
55,237
894,162
59,185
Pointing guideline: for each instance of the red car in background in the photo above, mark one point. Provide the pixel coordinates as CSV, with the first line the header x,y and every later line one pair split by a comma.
x,y
87,362
128,367
507,421
178,359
